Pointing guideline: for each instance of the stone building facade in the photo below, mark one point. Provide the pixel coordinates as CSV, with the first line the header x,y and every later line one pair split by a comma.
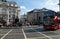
x,y
8,11
36,16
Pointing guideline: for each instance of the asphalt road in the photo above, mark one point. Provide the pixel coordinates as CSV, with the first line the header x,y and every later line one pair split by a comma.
x,y
13,33
37,32
29,32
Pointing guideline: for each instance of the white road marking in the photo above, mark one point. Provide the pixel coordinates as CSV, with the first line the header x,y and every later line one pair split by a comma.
x,y
24,34
55,36
45,35
36,37
41,33
6,34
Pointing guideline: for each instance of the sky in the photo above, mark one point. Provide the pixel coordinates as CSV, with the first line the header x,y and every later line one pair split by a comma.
x,y
28,5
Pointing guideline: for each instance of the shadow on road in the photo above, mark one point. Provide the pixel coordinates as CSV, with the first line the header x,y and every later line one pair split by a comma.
x,y
36,30
29,31
42,30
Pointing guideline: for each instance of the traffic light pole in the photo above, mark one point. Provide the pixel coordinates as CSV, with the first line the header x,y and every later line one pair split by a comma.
x,y
59,5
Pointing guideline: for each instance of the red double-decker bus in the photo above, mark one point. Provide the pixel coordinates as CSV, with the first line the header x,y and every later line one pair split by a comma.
x,y
52,22
57,20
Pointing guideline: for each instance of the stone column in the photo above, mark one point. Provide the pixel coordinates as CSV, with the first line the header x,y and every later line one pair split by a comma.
x,y
8,17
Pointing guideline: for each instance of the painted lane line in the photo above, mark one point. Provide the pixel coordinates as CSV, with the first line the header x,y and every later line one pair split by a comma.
x,y
37,37
6,34
55,36
24,34
42,33
45,35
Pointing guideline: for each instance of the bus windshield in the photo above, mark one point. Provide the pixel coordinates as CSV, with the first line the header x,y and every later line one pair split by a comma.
x,y
48,20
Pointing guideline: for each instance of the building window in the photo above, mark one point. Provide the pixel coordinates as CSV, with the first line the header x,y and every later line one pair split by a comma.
x,y
11,4
4,17
9,8
14,11
16,6
9,11
9,15
4,10
39,18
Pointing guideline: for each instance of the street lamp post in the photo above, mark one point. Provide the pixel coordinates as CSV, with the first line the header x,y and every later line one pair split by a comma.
x,y
59,5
